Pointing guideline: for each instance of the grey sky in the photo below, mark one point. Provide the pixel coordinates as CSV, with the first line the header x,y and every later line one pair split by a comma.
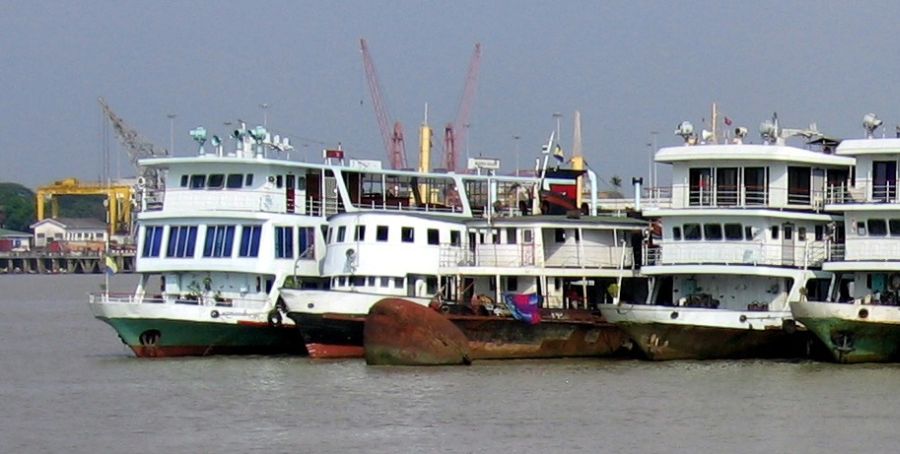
x,y
629,67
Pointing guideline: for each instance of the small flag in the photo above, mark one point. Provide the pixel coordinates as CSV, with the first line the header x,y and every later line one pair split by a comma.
x,y
727,121
558,153
111,266
524,306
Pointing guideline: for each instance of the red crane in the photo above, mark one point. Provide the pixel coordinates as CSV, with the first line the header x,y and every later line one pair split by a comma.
x,y
455,133
393,139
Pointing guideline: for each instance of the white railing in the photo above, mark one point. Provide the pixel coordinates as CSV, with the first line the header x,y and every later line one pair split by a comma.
x,y
527,255
736,253
863,192
208,299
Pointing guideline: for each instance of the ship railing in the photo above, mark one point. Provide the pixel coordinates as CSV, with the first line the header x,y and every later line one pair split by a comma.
x,y
837,252
863,192
807,254
406,207
210,300
528,255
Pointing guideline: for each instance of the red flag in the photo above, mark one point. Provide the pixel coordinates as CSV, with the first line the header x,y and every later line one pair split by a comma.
x,y
727,121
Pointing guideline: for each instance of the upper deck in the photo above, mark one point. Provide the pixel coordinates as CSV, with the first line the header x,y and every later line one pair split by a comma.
x,y
741,176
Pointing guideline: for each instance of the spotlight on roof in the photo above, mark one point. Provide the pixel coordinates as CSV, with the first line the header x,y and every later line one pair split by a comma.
x,y
871,122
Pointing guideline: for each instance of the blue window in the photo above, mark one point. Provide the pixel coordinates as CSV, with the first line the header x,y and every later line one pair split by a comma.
x,y
250,241
182,241
152,241
306,240
219,241
284,242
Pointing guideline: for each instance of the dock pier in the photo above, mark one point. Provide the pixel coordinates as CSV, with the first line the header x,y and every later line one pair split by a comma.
x,y
45,262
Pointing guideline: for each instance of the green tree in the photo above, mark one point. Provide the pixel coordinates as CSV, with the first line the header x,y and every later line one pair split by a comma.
x,y
17,204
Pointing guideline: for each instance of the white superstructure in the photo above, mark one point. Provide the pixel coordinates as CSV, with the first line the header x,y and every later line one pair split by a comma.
x,y
741,234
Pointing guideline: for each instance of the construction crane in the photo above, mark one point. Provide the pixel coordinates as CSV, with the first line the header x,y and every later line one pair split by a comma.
x,y
455,133
137,148
394,143
118,201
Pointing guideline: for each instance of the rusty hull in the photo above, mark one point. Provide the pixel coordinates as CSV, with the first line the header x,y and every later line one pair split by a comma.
x,y
658,341
568,335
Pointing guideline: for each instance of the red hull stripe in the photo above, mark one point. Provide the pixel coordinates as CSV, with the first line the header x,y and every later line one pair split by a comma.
x,y
335,351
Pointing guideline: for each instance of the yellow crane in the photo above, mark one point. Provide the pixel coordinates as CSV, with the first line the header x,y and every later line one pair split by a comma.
x,y
118,201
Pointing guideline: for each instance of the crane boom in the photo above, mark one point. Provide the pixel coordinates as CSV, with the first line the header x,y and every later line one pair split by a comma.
x,y
393,140
135,145
455,133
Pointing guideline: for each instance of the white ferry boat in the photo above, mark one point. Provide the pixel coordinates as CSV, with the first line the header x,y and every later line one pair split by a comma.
x,y
230,230
372,255
466,264
743,235
858,319
570,264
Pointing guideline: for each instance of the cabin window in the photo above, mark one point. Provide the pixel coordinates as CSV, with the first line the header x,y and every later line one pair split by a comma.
x,y
700,186
774,232
215,181
329,236
184,181
343,281
676,233
182,241
279,181
431,284
861,228
692,232
733,232
385,282
398,282
152,241
250,235
219,241
358,281
748,232
727,186
407,235
512,283
877,227
234,181
284,242
577,235
248,179
798,185
894,224
342,231
788,232
756,185
801,233
370,281
306,242
560,235
381,233
198,181
433,236
820,232
495,236
712,231
527,236
510,235
454,238
360,234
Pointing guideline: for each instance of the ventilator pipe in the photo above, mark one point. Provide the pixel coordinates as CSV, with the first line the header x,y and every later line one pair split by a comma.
x,y
637,182
593,177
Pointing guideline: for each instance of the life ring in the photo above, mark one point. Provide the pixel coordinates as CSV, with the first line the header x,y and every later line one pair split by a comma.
x,y
214,314
275,318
